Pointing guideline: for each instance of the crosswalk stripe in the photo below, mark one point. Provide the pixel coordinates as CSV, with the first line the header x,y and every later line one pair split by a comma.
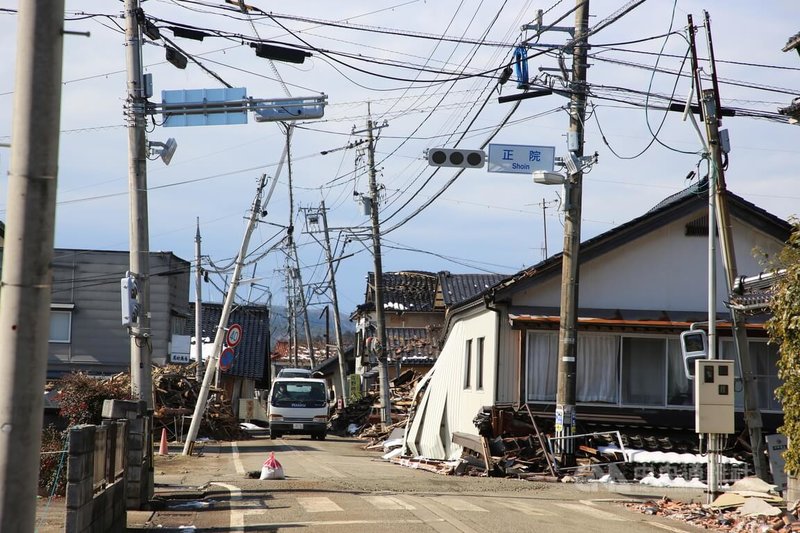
x,y
591,511
388,503
523,506
318,505
458,504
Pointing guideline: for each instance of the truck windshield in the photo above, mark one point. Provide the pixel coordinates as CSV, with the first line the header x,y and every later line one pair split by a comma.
x,y
301,394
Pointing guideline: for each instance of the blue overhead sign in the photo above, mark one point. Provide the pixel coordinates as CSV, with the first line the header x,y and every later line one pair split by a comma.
x,y
520,159
204,107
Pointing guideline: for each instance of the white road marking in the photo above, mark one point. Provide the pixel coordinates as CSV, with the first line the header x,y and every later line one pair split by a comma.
x,y
427,506
237,460
237,515
318,505
523,506
590,510
311,523
388,503
458,504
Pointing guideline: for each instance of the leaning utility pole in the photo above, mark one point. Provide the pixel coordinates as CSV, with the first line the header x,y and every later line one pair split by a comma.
x,y
710,105
219,336
383,366
568,330
198,305
28,255
335,300
141,347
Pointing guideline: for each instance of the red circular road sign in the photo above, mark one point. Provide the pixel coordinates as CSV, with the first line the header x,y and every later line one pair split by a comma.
x,y
233,335
226,359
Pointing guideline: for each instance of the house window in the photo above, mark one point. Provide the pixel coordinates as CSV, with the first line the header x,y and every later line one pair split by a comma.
x,y
597,372
60,326
467,364
479,364
643,370
765,370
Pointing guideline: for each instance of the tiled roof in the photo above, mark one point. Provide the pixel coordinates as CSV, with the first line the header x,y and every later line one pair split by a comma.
x,y
252,352
457,288
404,343
412,291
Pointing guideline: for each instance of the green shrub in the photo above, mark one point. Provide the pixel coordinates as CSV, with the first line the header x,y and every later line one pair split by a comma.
x,y
784,330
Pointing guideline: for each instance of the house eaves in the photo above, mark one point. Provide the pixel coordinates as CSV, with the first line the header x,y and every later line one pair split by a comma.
x,y
686,202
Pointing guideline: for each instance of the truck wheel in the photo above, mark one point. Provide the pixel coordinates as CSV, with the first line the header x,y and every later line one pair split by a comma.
x,y
274,435
321,436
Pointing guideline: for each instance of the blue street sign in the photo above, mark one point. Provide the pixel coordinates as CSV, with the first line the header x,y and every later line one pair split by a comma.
x,y
520,159
204,107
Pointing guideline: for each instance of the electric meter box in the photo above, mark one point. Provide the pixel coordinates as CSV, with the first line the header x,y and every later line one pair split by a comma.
x,y
714,397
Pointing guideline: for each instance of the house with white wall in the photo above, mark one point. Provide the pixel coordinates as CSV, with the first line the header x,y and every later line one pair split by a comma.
x,y
641,285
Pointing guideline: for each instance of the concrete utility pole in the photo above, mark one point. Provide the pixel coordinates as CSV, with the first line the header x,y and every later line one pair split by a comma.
x,y
27,257
219,337
198,305
304,308
335,300
383,366
568,330
141,348
711,113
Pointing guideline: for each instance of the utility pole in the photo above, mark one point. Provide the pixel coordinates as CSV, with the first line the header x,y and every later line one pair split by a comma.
x,y
198,306
711,113
568,330
141,348
290,313
380,321
27,257
303,307
337,326
219,337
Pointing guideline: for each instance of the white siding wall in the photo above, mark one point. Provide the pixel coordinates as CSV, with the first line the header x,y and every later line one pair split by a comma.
x,y
664,270
448,406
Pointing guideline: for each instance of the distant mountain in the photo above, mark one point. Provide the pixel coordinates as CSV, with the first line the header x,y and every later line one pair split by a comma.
x,y
279,325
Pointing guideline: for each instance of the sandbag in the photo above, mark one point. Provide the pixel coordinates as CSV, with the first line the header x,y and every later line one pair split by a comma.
x,y
272,469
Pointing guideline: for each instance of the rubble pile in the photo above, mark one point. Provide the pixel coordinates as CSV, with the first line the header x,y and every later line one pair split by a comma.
x,y
362,417
176,389
740,509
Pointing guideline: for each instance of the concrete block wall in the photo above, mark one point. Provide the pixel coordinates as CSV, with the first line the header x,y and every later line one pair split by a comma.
x,y
87,511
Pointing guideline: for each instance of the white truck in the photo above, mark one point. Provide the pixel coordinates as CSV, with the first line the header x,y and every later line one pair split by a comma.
x,y
298,406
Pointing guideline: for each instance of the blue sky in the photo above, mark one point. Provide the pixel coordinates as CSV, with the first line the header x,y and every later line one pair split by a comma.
x,y
483,221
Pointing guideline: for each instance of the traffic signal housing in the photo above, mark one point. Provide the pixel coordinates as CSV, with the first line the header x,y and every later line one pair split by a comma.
x,y
129,293
456,157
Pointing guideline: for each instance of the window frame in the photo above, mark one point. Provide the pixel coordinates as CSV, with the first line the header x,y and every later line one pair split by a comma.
x,y
60,312
479,363
468,364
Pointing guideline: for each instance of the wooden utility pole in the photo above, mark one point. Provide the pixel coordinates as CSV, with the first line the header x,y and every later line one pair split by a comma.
x,y
568,329
711,113
141,347
219,336
198,306
335,300
27,257
380,315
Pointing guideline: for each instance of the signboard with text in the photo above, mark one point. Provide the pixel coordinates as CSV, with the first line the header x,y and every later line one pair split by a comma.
x,y
520,159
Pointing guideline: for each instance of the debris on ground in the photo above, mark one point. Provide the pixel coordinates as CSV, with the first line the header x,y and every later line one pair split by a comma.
x,y
176,390
734,511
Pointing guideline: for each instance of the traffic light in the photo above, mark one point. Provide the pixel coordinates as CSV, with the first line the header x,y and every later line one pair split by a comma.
x,y
454,157
129,293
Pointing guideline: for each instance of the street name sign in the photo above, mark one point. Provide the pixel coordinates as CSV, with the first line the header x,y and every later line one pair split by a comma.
x,y
520,159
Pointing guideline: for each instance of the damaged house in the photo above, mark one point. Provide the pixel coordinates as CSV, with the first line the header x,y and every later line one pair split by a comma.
x,y
641,284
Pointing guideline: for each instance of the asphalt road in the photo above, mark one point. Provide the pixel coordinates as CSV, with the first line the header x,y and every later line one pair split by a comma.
x,y
335,486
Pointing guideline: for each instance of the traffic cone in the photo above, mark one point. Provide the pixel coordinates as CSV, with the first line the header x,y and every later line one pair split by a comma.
x,y
163,449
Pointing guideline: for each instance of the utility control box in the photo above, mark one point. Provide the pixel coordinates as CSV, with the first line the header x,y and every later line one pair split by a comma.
x,y
714,397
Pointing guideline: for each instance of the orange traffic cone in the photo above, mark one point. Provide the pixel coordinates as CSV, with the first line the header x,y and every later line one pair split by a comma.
x,y
163,449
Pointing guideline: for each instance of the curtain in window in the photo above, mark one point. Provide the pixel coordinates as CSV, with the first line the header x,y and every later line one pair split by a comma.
x,y
542,366
679,388
598,357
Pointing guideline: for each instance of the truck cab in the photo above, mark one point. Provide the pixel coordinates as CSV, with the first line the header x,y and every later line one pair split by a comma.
x,y
298,406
